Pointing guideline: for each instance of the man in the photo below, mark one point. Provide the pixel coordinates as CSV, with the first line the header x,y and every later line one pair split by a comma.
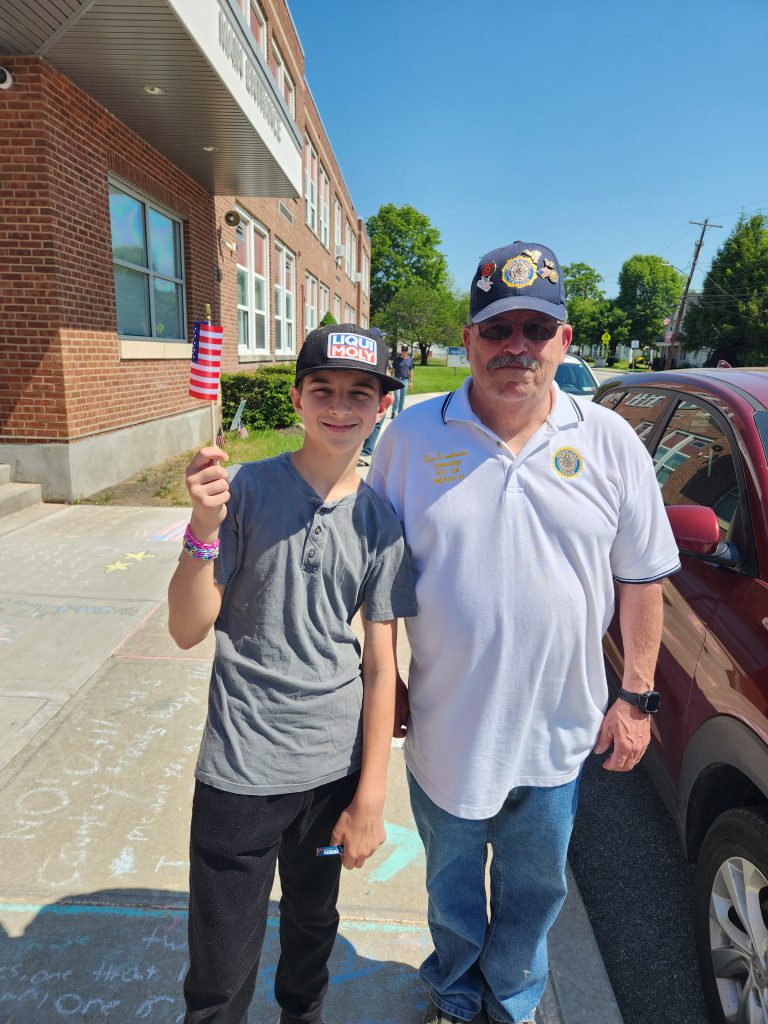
x,y
521,505
403,365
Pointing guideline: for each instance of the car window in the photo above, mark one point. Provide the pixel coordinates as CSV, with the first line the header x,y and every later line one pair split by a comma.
x,y
642,410
574,378
695,465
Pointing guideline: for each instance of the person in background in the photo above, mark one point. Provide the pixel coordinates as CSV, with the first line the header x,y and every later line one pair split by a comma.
x,y
403,369
373,437
521,507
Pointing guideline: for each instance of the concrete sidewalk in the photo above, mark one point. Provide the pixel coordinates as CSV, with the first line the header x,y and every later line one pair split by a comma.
x,y
100,721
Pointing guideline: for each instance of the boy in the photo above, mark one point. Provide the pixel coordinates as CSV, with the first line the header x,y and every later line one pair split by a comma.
x,y
288,761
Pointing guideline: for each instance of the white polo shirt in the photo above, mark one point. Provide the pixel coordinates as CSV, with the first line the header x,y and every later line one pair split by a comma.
x,y
515,559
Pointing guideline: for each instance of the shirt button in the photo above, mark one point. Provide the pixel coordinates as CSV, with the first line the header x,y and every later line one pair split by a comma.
x,y
317,529
312,553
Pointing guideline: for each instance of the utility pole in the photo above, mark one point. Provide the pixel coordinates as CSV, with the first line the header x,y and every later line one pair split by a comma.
x,y
681,308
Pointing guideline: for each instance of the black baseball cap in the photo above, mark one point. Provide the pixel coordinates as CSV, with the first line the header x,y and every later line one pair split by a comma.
x,y
346,347
523,275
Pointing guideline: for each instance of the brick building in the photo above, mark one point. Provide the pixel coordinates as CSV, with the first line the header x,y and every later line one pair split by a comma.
x,y
155,157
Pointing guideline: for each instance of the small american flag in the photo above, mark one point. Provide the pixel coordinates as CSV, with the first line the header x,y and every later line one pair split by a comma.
x,y
666,321
206,361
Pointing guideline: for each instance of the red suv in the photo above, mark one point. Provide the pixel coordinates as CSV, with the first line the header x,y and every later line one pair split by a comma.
x,y
707,432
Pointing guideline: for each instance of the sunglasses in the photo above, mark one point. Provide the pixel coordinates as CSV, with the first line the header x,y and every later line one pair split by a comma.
x,y
533,330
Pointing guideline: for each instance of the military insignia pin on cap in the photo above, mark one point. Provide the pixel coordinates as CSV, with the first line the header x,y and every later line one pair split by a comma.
x,y
530,278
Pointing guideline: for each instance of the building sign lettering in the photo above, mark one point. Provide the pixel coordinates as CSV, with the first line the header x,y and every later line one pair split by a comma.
x,y
247,71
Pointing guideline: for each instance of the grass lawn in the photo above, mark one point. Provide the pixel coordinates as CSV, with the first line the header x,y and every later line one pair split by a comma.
x,y
436,377
163,484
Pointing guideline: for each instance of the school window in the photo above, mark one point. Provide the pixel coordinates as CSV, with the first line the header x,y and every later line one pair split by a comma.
x,y
363,320
310,303
349,314
258,24
325,300
310,184
353,257
252,275
348,250
283,79
148,264
284,278
337,308
325,208
337,252
366,273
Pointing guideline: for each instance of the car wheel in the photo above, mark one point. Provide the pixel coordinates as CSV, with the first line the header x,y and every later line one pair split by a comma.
x,y
732,917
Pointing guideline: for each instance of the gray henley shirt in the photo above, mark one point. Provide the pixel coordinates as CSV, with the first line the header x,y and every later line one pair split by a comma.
x,y
285,699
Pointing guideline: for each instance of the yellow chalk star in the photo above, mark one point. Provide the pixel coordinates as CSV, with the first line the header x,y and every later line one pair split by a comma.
x,y
138,556
115,566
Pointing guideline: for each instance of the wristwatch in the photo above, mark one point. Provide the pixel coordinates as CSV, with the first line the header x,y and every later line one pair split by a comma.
x,y
648,702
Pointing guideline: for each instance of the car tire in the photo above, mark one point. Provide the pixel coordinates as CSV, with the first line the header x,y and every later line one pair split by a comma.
x,y
731,917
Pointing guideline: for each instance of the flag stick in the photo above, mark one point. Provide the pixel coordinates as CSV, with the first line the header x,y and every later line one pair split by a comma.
x,y
213,400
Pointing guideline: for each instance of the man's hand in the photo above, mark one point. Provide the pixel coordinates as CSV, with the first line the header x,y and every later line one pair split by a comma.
x,y
629,729
402,709
360,829
208,486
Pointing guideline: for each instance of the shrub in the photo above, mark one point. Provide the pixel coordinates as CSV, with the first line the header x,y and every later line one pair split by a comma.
x,y
328,321
267,397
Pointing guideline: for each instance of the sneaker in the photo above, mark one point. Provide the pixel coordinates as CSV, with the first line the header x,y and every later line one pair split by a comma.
x,y
364,460
435,1015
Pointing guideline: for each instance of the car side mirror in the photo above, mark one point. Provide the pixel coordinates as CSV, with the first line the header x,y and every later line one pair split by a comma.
x,y
697,533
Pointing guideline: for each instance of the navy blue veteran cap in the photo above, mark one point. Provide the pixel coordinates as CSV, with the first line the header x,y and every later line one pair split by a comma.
x,y
346,347
524,275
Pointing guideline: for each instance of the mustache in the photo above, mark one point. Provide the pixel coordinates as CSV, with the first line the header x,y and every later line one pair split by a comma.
x,y
500,362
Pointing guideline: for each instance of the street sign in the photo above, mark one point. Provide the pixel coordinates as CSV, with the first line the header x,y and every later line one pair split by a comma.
x,y
457,356
605,337
635,343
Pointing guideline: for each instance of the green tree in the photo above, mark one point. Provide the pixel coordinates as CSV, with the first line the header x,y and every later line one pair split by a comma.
x,y
423,316
731,314
328,320
590,318
404,251
649,290
582,281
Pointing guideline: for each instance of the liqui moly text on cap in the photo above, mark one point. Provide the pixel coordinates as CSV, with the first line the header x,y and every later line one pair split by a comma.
x,y
352,346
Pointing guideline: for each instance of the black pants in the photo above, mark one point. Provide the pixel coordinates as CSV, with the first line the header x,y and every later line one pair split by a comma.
x,y
234,846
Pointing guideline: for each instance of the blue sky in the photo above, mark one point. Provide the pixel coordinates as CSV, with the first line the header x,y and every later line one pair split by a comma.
x,y
598,128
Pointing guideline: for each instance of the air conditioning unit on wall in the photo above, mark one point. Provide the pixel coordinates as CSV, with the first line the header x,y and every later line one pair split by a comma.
x,y
357,277
339,252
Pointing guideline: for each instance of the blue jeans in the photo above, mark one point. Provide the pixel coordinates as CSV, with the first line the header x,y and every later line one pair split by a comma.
x,y
397,405
501,964
373,437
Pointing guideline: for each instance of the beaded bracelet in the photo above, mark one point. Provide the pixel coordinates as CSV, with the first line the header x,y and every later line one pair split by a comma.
x,y
196,548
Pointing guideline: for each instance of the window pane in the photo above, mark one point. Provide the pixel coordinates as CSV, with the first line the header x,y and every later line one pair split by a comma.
x,y
258,253
288,306
167,309
260,324
242,287
242,327
132,298
127,223
278,334
694,465
259,293
164,245
241,246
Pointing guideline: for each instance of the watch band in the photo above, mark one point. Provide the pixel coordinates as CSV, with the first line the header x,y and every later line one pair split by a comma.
x,y
648,702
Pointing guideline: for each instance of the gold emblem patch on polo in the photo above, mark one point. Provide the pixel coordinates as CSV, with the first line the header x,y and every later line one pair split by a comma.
x,y
567,463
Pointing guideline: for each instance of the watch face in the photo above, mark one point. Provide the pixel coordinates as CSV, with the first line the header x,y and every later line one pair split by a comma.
x,y
652,702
